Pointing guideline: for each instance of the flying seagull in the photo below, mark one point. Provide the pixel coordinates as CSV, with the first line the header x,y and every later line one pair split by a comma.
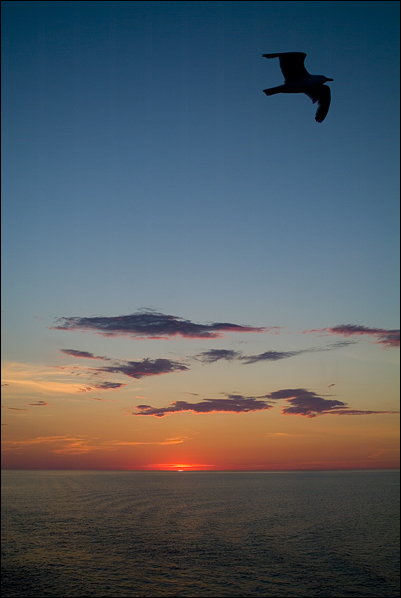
x,y
298,80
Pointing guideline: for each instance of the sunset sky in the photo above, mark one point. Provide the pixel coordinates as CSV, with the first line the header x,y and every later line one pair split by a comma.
x,y
195,275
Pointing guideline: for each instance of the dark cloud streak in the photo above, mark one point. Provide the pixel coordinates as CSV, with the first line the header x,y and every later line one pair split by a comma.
x,y
232,404
301,401
83,354
270,356
387,338
150,324
108,385
214,355
146,367
305,402
102,386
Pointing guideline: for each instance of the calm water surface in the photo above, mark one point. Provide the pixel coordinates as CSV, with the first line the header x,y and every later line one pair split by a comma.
x,y
112,534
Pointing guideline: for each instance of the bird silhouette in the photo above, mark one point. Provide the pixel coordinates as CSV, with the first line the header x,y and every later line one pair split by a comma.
x,y
298,80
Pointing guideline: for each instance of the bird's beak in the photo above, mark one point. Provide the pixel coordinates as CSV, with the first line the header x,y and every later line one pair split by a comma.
x,y
330,79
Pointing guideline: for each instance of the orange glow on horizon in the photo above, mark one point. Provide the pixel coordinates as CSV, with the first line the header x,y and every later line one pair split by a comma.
x,y
181,467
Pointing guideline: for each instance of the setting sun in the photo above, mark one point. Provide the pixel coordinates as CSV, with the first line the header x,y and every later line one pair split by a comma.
x,y
181,467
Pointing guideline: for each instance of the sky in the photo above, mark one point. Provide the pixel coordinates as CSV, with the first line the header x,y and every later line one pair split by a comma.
x,y
195,275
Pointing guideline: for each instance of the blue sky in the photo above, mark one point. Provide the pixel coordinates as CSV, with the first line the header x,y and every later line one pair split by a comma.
x,y
144,168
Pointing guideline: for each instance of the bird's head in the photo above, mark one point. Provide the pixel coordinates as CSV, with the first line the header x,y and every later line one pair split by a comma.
x,y
322,79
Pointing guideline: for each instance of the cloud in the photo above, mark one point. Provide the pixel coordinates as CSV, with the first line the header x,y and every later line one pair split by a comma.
x,y
97,399
132,369
49,380
102,386
58,444
234,403
387,338
150,324
214,355
217,354
168,441
305,402
271,356
84,354
108,385
146,367
39,404
75,445
347,411
300,401
308,404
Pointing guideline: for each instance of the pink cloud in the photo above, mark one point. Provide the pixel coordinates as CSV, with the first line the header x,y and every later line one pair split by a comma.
x,y
387,338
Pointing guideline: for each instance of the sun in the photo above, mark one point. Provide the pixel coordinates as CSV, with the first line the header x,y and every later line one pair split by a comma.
x,y
181,467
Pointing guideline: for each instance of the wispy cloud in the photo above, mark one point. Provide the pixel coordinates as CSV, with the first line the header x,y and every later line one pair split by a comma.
x,y
108,385
102,386
387,338
73,445
271,356
59,444
103,400
48,380
150,324
168,441
214,355
348,411
83,354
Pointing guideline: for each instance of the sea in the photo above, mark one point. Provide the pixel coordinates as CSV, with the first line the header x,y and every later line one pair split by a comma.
x,y
192,533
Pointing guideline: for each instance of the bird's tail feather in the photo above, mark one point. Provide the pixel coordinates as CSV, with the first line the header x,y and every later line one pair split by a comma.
x,y
272,90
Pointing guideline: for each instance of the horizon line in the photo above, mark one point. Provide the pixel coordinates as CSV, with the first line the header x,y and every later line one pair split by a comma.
x,y
195,470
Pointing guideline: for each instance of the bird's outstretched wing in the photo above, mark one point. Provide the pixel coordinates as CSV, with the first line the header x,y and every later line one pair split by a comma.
x,y
291,64
322,96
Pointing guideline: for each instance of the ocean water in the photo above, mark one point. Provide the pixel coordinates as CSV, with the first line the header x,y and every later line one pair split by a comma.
x,y
112,534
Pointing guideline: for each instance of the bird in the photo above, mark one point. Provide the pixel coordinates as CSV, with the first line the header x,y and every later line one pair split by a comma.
x,y
298,80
